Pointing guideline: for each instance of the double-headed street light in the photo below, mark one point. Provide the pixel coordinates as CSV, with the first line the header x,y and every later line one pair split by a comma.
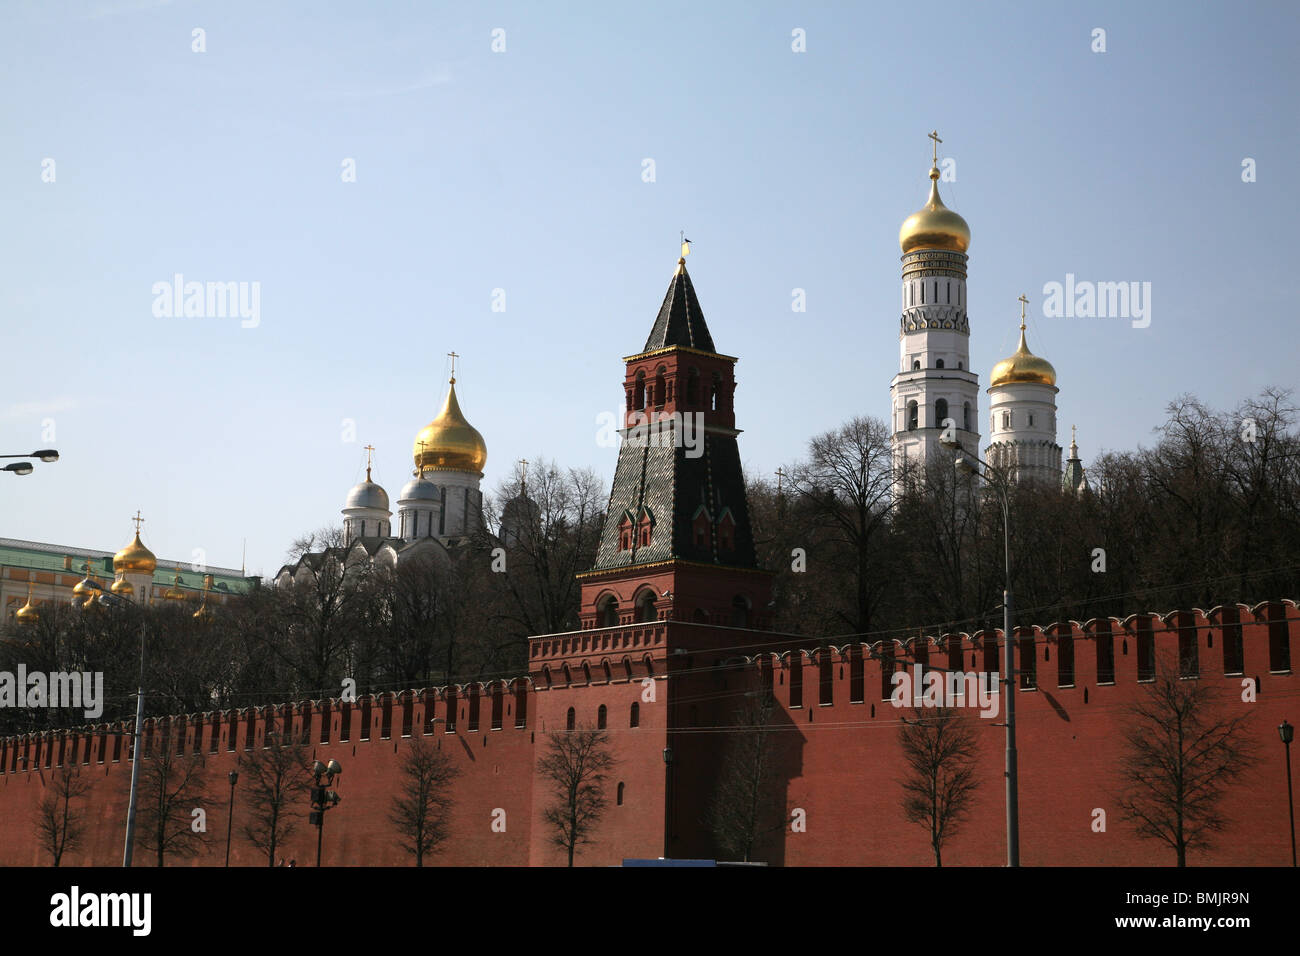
x,y
1287,733
25,467
969,464
322,799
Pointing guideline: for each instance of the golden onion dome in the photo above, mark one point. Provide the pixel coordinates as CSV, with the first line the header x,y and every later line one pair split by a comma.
x,y
1023,366
135,557
934,225
174,593
85,587
122,588
449,442
27,614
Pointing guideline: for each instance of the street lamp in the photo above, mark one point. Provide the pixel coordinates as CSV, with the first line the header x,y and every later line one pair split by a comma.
x,y
115,600
323,800
233,776
1287,733
969,464
25,467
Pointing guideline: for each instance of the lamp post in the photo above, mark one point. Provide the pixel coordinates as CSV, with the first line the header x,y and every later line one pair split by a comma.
x,y
25,467
322,799
1287,733
233,776
114,600
969,464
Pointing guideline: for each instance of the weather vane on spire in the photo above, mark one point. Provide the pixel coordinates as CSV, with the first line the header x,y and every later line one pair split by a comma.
x,y
138,520
686,244
1023,302
934,135
369,450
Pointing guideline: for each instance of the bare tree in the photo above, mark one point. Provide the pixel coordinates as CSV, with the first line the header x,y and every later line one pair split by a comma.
x,y
1182,750
576,764
421,807
553,525
747,804
940,752
172,786
59,826
847,481
275,776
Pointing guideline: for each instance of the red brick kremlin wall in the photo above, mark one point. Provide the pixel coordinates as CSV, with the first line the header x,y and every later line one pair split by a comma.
x,y
835,743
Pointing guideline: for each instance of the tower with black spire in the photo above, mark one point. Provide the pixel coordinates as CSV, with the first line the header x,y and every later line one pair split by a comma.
x,y
677,543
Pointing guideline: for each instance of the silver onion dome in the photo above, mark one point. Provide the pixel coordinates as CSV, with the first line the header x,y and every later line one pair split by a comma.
x,y
367,495
420,489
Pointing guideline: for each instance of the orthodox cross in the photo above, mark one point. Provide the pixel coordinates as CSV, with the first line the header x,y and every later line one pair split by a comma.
x,y
779,475
369,450
1023,302
934,135
138,520
523,462
419,470
454,356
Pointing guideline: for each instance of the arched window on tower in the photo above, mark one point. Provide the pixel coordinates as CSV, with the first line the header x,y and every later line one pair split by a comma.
x,y
638,394
740,611
607,612
713,392
938,363
940,412
645,606
570,719
916,365
911,416
659,387
692,387
602,717
634,719
965,416
1006,420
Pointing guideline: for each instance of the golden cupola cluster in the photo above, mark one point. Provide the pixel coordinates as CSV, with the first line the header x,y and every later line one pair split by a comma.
x,y
1023,366
934,225
449,442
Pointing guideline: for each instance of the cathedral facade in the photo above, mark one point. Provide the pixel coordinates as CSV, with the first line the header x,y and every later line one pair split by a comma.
x,y
440,507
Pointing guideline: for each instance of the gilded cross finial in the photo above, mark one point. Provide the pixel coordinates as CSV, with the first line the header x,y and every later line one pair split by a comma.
x,y
779,475
453,356
934,135
1073,437
369,450
419,471
1023,302
523,481
138,520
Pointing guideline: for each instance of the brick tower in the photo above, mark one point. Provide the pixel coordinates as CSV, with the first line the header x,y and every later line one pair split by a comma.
x,y
677,543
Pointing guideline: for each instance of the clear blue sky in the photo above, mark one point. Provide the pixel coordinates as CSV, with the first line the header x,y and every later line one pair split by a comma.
x,y
522,170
